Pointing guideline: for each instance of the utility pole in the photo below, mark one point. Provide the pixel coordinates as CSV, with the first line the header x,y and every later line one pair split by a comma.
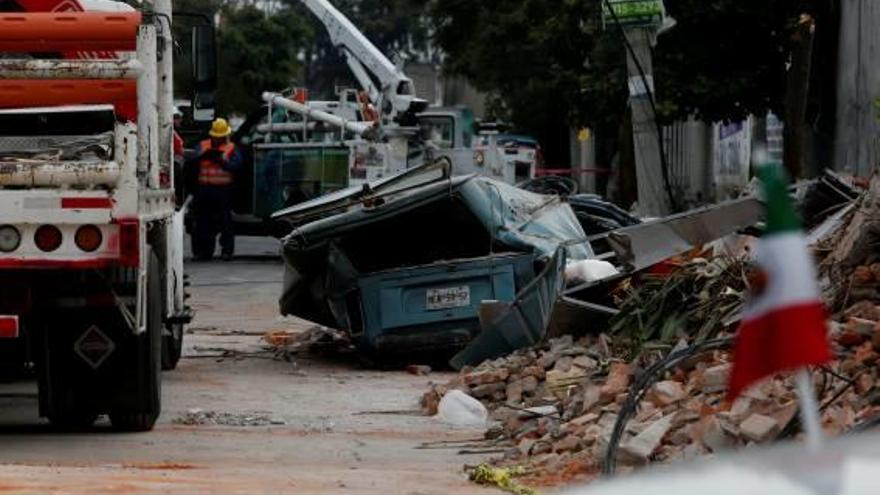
x,y
640,21
653,197
796,93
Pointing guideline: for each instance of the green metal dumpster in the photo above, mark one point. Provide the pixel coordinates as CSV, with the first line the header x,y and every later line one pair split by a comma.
x,y
434,306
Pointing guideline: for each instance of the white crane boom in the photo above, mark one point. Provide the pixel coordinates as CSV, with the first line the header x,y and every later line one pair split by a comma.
x,y
395,97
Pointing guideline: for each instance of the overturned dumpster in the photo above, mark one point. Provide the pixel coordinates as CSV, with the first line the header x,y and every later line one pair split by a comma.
x,y
416,262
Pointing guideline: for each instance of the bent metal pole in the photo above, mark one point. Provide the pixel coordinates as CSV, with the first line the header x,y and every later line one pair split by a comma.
x,y
363,129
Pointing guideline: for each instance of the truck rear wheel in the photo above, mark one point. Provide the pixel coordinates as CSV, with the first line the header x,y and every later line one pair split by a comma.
x,y
147,376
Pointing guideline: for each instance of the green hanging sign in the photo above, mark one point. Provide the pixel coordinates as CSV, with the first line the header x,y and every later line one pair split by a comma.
x,y
633,13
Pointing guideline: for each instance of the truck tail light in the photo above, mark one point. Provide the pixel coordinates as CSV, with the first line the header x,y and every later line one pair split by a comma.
x,y
129,243
10,238
8,326
88,238
47,238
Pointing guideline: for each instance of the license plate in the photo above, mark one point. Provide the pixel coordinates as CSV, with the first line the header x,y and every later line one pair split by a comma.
x,y
448,297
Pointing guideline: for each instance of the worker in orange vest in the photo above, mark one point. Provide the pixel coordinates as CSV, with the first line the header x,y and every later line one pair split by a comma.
x,y
217,160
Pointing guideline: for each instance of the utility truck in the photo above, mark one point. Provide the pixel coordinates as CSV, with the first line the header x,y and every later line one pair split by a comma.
x,y
398,130
91,243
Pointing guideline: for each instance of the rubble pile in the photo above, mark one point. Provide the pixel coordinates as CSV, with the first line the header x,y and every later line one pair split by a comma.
x,y
557,405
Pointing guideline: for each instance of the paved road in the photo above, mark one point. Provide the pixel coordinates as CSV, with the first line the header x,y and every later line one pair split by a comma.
x,y
318,438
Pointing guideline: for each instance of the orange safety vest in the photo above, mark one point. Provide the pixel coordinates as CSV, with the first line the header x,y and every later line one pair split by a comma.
x,y
211,173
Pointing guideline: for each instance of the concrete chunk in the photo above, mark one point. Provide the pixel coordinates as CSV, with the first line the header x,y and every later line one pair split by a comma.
x,y
645,443
758,428
665,393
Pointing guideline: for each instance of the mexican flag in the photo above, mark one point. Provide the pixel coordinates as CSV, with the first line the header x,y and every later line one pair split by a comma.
x,y
783,325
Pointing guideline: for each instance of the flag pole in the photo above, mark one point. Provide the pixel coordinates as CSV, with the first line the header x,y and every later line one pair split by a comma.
x,y
809,409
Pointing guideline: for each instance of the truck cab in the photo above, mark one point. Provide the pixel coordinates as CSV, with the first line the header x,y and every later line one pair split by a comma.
x,y
473,148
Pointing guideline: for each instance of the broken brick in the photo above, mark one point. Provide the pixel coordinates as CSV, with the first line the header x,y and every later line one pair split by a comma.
x,y
487,376
514,392
487,389
619,376
569,443
758,428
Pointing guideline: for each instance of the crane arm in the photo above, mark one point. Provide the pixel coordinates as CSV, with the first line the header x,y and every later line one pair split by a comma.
x,y
396,94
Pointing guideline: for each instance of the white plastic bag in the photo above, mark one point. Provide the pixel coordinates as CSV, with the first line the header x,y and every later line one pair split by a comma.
x,y
460,409
577,272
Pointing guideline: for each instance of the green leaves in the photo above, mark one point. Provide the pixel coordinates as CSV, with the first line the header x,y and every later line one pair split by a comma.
x,y
723,60
692,302
258,52
530,54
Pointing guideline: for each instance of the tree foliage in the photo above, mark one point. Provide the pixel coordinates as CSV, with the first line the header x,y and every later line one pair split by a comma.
x,y
257,49
274,46
552,66
544,61
724,59
258,52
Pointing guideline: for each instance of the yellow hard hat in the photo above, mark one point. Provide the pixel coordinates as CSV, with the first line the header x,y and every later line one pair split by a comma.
x,y
220,129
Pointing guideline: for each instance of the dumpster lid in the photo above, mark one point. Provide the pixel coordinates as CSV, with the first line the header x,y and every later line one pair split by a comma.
x,y
342,200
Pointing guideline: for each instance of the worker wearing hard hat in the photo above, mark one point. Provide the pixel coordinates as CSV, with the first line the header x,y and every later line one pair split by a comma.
x,y
217,160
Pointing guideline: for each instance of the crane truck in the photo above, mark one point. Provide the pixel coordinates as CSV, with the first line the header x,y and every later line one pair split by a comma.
x,y
91,243
405,131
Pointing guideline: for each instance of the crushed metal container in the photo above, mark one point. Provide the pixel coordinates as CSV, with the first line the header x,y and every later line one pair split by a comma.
x,y
409,263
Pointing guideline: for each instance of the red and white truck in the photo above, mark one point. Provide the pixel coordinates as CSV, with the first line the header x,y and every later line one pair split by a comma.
x,y
91,241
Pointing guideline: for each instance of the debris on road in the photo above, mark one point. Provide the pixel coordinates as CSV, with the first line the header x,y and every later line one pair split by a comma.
x,y
316,340
460,409
502,478
562,417
478,261
199,417
696,300
651,388
159,466
418,369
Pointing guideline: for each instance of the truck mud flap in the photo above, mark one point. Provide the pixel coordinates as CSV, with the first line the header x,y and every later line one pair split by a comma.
x,y
89,363
509,326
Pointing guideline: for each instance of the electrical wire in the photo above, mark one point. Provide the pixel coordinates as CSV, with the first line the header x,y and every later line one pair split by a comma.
x,y
641,386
